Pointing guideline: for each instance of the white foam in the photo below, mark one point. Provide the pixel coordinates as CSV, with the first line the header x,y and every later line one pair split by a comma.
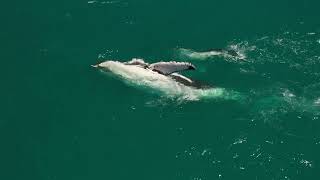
x,y
144,77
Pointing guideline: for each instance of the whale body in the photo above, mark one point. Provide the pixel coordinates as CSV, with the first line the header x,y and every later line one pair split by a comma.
x,y
167,69
226,53
162,76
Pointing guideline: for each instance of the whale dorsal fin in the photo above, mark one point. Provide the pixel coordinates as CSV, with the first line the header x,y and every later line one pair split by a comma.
x,y
136,61
167,68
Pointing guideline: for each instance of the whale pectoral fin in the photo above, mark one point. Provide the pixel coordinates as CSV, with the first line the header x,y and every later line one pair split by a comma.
x,y
171,67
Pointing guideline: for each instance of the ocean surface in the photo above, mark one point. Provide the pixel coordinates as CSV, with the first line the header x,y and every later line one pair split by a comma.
x,y
61,119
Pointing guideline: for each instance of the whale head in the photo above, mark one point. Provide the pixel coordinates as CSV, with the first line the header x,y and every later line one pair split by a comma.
x,y
104,66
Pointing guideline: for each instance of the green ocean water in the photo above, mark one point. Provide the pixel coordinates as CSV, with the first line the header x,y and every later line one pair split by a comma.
x,y
62,119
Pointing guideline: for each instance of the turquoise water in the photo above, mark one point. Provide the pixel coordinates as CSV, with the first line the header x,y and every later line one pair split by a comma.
x,y
62,119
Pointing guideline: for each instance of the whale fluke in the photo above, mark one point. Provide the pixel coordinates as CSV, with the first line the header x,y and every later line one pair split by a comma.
x,y
167,68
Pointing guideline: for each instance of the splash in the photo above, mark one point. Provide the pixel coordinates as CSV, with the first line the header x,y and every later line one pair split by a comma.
x,y
289,63
299,52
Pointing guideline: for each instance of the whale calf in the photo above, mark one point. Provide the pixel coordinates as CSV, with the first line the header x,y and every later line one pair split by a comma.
x,y
227,53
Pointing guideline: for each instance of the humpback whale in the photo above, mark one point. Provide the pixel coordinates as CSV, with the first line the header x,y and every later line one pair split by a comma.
x,y
167,70
164,77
